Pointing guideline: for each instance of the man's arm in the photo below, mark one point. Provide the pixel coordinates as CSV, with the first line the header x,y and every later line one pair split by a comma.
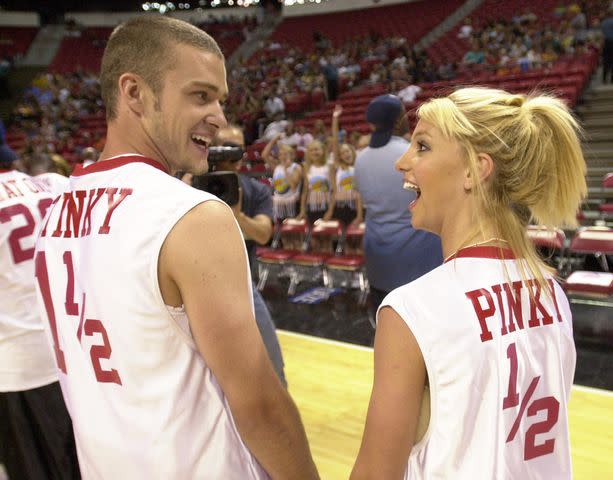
x,y
203,265
258,202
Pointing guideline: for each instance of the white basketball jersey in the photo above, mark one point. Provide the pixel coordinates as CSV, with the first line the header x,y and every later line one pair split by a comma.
x,y
500,366
143,402
54,182
26,361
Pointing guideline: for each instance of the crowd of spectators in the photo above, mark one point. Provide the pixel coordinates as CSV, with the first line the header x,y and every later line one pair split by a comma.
x,y
50,112
280,71
526,41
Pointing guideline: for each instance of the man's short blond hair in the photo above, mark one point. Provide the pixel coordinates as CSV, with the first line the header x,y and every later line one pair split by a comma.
x,y
145,46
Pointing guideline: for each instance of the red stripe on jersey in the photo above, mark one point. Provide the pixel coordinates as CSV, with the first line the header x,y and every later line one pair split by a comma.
x,y
496,253
116,162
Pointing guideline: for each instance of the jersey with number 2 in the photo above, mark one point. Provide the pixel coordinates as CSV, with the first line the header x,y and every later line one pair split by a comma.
x,y
500,359
25,357
143,402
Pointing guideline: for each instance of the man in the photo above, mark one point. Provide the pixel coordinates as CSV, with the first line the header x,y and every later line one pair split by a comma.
x,y
253,212
394,251
36,439
145,284
607,50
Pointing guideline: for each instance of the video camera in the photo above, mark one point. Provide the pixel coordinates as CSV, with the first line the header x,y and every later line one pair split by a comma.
x,y
222,184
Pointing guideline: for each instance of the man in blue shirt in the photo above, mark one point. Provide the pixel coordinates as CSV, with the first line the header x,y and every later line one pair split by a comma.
x,y
395,252
253,213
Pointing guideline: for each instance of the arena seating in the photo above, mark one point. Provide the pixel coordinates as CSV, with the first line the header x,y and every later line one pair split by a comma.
x,y
410,20
288,241
83,52
590,246
16,40
450,47
347,267
319,247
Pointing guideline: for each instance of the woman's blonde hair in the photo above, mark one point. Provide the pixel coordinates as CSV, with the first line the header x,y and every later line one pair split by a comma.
x,y
307,154
539,169
351,149
284,147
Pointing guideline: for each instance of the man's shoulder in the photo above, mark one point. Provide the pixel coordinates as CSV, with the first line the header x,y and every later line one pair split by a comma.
x,y
395,143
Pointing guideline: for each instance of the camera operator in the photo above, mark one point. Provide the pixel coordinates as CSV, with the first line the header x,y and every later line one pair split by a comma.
x,y
253,211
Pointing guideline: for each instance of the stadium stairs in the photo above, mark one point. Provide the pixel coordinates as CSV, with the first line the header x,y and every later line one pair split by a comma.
x,y
252,43
596,114
450,22
45,46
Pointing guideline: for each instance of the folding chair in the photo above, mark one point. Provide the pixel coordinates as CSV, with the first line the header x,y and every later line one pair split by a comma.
x,y
348,266
309,264
595,242
288,240
549,243
606,209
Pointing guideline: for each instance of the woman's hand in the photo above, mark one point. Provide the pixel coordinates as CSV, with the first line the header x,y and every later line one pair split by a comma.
x,y
338,111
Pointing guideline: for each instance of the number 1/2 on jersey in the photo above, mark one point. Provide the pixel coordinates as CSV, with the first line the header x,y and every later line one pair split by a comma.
x,y
512,400
89,327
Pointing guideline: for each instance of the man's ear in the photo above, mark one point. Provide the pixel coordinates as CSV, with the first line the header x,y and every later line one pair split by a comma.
x,y
485,167
132,90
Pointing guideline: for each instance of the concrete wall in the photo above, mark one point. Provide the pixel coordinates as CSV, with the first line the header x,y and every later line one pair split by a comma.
x,y
19,19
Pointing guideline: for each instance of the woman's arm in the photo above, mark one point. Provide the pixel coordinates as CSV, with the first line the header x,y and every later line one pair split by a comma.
x,y
395,402
338,110
267,152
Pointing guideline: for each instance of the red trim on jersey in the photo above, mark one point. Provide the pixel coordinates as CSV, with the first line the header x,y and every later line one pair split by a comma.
x,y
483,252
2,170
116,162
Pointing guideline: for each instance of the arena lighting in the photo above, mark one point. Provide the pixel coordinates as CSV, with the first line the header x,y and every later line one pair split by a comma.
x,y
145,6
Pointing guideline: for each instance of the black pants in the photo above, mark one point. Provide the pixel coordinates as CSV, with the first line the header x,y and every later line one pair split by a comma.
x,y
36,437
376,297
607,61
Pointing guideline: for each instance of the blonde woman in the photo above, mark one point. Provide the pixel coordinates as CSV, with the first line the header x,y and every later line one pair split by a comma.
x,y
286,178
316,196
490,331
346,203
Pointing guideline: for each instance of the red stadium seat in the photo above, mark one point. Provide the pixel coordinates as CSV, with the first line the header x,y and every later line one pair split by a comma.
x,y
288,241
348,267
596,242
310,263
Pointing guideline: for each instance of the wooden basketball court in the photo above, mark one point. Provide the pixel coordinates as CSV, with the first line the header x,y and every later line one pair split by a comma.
x,y
331,382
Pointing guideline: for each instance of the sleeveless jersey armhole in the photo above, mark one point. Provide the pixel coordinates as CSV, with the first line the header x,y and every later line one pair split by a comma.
x,y
171,311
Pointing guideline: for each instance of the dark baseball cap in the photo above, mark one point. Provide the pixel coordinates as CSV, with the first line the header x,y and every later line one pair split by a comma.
x,y
382,112
7,156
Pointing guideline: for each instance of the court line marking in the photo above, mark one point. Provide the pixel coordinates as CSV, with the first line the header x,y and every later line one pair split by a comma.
x,y
596,391
327,341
